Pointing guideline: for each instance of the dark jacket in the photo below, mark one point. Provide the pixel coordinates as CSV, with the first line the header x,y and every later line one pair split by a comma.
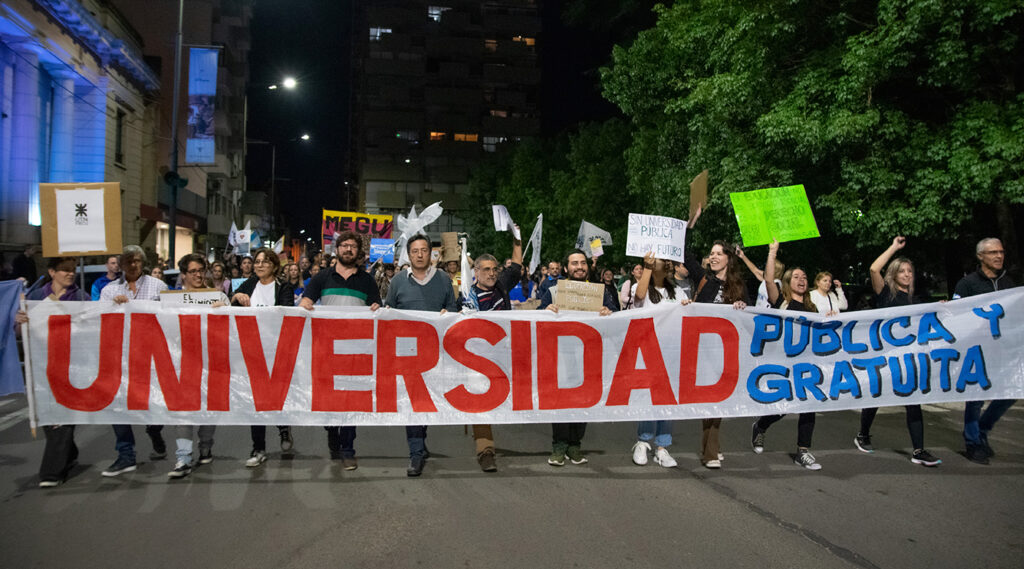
x,y
284,293
977,283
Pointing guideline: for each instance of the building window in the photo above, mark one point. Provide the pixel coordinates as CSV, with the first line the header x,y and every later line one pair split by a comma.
x,y
119,137
438,135
491,142
409,135
499,113
491,45
434,12
377,33
465,137
528,41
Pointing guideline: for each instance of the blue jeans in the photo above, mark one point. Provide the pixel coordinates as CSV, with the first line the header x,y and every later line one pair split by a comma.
x,y
978,424
124,442
658,431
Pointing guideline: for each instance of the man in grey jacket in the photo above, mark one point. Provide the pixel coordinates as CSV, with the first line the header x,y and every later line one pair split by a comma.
x,y
420,287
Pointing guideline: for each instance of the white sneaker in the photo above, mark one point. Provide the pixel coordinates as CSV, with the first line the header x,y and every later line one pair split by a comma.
x,y
662,457
721,456
640,450
258,457
713,464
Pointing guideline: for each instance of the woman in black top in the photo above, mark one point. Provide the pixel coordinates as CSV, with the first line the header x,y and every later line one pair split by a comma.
x,y
896,288
793,296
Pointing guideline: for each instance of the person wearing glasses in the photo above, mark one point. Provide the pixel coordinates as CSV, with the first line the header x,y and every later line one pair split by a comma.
x,y
490,292
261,290
990,277
193,272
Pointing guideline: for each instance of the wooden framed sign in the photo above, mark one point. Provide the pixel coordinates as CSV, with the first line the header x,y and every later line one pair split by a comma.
x,y
80,219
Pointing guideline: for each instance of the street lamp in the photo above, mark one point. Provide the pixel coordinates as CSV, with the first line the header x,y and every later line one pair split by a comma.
x,y
288,83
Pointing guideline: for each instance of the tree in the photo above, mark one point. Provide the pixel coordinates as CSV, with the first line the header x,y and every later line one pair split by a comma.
x,y
899,116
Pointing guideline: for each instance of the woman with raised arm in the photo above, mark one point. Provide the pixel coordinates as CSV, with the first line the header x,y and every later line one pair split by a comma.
x,y
793,296
896,288
655,286
262,290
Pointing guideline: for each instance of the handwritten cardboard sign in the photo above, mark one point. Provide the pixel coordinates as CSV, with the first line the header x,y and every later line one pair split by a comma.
x,y
699,193
80,219
579,295
665,236
780,213
204,296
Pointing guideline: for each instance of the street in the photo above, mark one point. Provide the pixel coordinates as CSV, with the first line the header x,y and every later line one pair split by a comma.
x,y
758,511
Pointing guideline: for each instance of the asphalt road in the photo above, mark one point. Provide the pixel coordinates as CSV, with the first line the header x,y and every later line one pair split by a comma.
x,y
758,511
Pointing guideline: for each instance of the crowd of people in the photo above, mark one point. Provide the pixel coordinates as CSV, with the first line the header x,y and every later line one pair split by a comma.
x,y
262,280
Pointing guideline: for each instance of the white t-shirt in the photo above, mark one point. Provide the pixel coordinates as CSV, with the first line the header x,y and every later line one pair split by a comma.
x,y
641,302
762,294
263,295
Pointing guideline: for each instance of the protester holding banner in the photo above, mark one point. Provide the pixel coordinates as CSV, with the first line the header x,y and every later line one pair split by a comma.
x,y
106,278
829,302
133,285
990,277
654,287
347,284
567,438
793,296
193,269
60,454
421,287
896,288
720,283
263,290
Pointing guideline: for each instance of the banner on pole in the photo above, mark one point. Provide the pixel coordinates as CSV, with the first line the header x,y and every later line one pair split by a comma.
x,y
200,147
774,213
139,363
373,225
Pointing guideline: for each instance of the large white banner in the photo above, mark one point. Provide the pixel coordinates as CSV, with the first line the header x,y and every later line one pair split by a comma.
x,y
95,362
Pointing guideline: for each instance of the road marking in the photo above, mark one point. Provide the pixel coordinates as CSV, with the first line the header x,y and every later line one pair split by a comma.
x,y
13,419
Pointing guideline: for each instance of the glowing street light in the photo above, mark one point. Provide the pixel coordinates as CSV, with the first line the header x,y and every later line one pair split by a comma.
x,y
289,83
304,137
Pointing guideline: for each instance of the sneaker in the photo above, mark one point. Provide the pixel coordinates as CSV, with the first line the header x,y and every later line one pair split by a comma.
x,y
286,439
662,457
640,450
863,443
713,463
416,464
486,461
557,458
576,456
976,454
806,459
721,456
349,462
181,470
205,456
120,466
925,458
757,439
257,458
49,483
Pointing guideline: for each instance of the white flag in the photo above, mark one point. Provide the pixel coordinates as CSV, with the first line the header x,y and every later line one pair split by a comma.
x,y
467,275
233,234
503,221
535,242
409,226
279,245
587,233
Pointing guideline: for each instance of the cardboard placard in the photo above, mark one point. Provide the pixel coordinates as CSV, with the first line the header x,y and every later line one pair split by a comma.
x,y
580,295
450,249
664,236
202,296
699,193
531,304
780,213
80,219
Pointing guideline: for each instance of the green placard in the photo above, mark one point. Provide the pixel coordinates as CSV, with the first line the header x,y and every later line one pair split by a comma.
x,y
780,213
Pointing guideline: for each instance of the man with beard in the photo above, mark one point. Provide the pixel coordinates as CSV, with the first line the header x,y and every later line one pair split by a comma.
x,y
566,438
133,285
490,292
421,287
346,284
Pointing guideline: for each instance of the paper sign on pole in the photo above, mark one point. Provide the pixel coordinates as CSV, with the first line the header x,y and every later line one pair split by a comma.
x,y
587,233
665,236
203,296
334,222
383,249
580,295
80,219
774,213
503,221
698,193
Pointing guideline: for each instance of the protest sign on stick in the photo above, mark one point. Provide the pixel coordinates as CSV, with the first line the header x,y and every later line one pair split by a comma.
x,y
579,295
698,193
80,219
774,213
503,221
664,236
586,235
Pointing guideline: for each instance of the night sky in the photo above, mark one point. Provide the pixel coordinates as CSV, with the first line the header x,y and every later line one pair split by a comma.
x,y
309,39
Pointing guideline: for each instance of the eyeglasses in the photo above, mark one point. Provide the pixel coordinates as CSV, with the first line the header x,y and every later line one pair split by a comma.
x,y
194,272
348,246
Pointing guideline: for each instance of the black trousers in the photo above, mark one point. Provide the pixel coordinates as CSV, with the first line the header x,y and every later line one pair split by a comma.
x,y
804,428
570,434
60,453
